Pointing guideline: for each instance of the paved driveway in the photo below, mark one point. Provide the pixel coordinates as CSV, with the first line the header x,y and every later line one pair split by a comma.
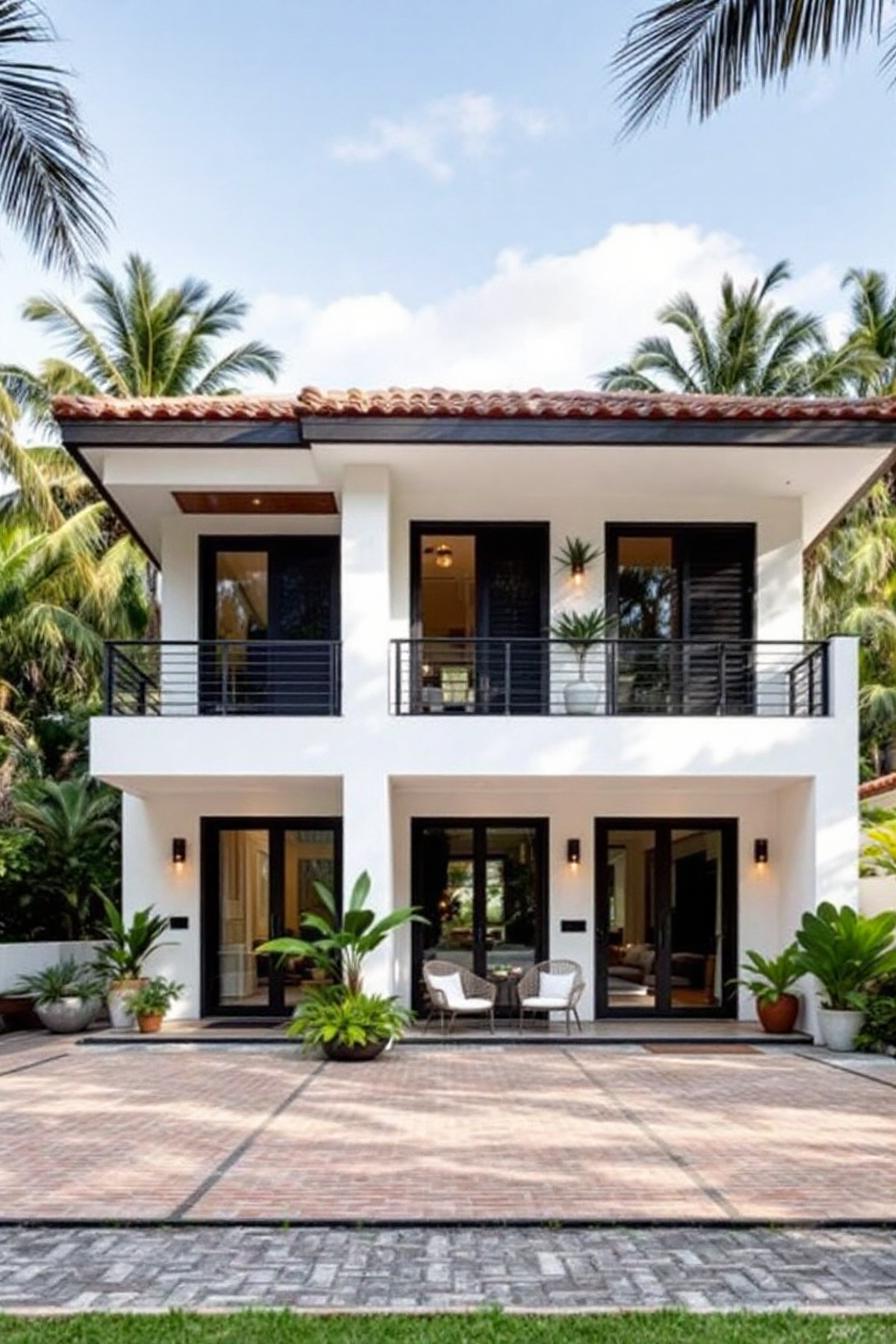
x,y
189,1133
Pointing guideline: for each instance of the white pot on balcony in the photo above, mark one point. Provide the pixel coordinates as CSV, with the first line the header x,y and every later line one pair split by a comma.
x,y
581,697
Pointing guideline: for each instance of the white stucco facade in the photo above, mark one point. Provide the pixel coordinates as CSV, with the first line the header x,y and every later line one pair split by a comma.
x,y
790,780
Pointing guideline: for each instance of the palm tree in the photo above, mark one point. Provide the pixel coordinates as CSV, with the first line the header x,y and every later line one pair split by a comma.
x,y
703,52
49,188
147,342
78,826
851,589
873,308
751,347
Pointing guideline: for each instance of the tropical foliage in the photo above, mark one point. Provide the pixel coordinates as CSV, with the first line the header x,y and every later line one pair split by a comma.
x,y
144,341
126,946
878,1003
50,191
750,347
702,52
342,943
767,978
154,998
68,979
337,1016
846,951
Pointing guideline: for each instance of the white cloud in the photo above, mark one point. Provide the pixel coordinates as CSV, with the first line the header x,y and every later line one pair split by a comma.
x,y
463,126
549,321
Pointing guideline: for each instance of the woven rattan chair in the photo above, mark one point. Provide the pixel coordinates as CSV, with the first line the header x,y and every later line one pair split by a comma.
x,y
478,995
529,991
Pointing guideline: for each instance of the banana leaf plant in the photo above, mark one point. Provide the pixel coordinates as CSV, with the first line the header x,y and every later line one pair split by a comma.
x,y
344,942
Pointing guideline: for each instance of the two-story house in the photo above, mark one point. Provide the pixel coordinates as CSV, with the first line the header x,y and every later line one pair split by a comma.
x,y
357,670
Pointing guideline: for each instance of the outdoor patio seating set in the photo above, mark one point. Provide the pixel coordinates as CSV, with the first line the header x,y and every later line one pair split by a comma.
x,y
453,991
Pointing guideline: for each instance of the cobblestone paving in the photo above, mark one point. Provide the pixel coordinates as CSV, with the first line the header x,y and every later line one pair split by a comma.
x,y
511,1133
697,1268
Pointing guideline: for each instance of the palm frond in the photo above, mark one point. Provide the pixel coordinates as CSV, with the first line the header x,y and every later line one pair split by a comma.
x,y
50,189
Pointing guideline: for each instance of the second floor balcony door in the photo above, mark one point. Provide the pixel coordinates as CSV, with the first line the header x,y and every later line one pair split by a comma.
x,y
270,625
480,610
683,601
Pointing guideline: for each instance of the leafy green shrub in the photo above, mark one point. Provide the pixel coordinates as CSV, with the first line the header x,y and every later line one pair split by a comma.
x,y
127,946
154,998
67,980
767,978
337,1016
845,951
879,1006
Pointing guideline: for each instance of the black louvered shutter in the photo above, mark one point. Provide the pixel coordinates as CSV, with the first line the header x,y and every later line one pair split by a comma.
x,y
717,567
511,564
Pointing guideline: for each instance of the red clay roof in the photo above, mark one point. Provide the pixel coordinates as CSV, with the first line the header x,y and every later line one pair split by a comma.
x,y
441,402
873,788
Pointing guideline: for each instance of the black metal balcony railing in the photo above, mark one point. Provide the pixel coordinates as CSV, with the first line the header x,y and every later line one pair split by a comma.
x,y
611,677
145,677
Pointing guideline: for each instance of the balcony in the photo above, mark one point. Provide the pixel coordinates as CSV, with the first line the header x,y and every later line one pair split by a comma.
x,y
777,679
222,677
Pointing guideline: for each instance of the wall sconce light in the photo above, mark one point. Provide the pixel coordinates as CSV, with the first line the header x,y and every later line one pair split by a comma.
x,y
178,849
578,575
574,852
760,851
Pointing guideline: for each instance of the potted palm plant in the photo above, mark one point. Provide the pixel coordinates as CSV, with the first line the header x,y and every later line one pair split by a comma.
x,y
340,1018
67,997
580,631
121,957
845,951
769,980
151,1002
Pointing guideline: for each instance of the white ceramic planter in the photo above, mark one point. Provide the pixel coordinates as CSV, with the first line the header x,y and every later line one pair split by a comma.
x,y
117,997
68,1015
581,697
840,1027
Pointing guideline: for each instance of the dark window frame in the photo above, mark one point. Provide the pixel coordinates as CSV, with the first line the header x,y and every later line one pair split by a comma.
x,y
729,827
744,532
210,829
211,544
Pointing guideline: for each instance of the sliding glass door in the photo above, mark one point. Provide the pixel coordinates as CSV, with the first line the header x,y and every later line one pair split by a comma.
x,y
665,917
258,883
481,886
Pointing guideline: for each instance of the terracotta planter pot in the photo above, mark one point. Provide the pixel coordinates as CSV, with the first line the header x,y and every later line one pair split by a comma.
x,y
349,1054
778,1018
150,1022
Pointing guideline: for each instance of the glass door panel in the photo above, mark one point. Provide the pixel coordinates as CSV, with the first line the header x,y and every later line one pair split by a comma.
x,y
447,676
258,883
480,887
696,923
309,856
445,860
666,917
244,917
631,929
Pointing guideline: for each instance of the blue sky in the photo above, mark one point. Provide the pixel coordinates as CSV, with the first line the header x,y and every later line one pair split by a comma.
x,y
431,190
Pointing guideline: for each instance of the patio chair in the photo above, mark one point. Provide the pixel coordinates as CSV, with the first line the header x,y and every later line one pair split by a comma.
x,y
453,991
550,987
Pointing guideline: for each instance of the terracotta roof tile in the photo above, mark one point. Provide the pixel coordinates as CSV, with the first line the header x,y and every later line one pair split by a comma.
x,y
873,788
175,408
441,402
537,404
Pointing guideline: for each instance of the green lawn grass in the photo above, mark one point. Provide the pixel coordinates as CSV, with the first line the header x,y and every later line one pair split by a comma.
x,y
488,1327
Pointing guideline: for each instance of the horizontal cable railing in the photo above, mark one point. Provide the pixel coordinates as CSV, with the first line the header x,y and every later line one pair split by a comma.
x,y
609,677
145,677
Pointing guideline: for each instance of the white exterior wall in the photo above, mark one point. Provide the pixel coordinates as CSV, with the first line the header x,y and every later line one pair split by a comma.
x,y
792,780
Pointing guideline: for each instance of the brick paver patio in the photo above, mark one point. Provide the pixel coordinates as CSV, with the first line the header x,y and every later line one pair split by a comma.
x,y
192,1133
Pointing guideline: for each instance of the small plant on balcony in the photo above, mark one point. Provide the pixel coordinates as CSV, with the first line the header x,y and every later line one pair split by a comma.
x,y
576,555
580,631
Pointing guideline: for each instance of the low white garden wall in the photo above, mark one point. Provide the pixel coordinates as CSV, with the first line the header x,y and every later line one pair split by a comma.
x,y
28,958
877,894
